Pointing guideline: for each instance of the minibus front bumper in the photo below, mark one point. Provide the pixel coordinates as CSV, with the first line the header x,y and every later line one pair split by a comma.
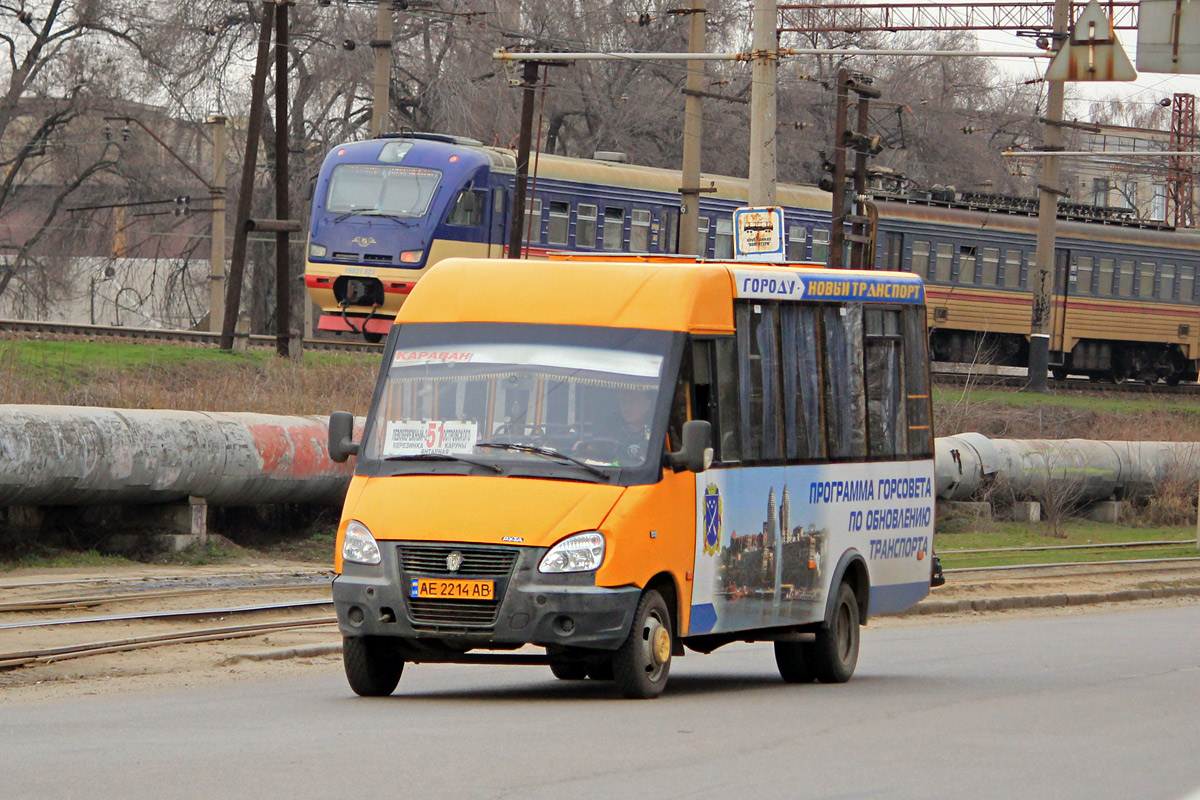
x,y
564,610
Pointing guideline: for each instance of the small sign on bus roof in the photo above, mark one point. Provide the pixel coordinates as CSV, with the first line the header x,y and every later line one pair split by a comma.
x,y
759,234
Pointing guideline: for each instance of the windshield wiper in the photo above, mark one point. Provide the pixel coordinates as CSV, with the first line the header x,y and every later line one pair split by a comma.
x,y
444,457
396,218
548,452
354,210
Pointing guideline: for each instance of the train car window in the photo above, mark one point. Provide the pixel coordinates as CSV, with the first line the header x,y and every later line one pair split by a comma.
x,y
1146,279
820,245
1083,275
1166,283
944,262
558,231
468,208
797,242
803,426
585,225
533,221
669,243
702,236
1012,268
893,251
990,273
639,231
614,228
1187,282
723,246
843,379
966,264
920,258
1125,279
887,420
1104,286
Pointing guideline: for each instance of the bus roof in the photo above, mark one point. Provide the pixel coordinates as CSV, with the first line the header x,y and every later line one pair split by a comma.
x,y
695,297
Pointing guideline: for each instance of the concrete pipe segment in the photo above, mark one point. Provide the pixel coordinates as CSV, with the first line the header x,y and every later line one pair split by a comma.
x,y
72,455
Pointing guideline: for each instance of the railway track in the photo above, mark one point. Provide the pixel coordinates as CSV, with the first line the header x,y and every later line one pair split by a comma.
x,y
68,332
36,627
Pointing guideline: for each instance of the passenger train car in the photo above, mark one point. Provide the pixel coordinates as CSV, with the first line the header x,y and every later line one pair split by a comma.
x,y
384,210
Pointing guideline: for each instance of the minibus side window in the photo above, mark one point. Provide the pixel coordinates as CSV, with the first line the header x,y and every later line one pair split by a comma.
x,y
920,409
758,366
804,430
886,413
845,423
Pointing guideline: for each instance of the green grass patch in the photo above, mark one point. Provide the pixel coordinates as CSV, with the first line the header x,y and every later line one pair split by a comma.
x,y
1098,402
43,558
991,534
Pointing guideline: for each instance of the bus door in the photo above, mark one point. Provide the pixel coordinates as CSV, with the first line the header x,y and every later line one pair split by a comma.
x,y
1058,305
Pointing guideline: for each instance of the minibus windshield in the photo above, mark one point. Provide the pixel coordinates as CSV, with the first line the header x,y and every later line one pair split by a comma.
x,y
548,404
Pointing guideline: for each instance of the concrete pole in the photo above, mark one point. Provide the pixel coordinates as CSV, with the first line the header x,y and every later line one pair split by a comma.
x,y
216,272
763,88
383,68
1042,279
837,217
693,134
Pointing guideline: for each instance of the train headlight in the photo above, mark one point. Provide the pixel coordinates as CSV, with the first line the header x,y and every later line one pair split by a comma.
x,y
360,546
412,256
582,552
317,250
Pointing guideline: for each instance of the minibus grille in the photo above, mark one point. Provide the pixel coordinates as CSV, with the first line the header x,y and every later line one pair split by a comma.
x,y
477,562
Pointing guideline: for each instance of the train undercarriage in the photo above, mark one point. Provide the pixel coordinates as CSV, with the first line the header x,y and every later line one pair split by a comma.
x,y
1098,360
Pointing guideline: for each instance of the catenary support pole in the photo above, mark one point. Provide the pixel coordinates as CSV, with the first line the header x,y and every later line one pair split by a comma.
x,y
763,104
1042,278
382,44
516,231
693,134
237,259
216,272
283,277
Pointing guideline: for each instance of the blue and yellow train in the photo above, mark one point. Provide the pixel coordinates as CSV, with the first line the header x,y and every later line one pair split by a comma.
x,y
1125,302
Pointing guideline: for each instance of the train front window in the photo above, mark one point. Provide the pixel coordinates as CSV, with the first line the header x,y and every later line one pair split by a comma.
x,y
517,403
371,189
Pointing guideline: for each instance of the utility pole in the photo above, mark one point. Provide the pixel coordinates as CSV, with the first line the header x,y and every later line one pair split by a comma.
x,y
1042,279
382,44
216,192
861,234
763,89
693,133
237,259
283,277
516,225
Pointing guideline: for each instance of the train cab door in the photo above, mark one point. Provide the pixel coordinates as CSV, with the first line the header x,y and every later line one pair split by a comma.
x,y
498,222
1058,307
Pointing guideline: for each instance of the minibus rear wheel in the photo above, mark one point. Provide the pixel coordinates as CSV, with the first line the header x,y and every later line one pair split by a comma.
x,y
643,662
373,667
834,654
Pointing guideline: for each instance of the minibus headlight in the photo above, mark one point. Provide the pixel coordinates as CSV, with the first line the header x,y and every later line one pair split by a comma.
x,y
360,546
582,552
317,250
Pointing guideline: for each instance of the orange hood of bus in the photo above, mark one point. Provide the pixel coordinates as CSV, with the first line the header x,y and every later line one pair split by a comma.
x,y
484,510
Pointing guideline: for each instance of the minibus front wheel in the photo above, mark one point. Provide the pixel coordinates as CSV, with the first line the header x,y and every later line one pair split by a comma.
x,y
373,665
643,662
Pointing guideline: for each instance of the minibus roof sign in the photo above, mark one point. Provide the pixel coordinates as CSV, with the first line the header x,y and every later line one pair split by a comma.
x,y
828,286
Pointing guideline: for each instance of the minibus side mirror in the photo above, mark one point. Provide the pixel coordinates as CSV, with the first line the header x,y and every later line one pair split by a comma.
x,y
341,434
696,453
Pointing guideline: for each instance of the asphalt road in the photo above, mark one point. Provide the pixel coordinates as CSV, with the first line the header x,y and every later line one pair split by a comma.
x,y
1077,705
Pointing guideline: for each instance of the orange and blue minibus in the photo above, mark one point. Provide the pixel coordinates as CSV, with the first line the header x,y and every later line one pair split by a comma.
x,y
599,465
